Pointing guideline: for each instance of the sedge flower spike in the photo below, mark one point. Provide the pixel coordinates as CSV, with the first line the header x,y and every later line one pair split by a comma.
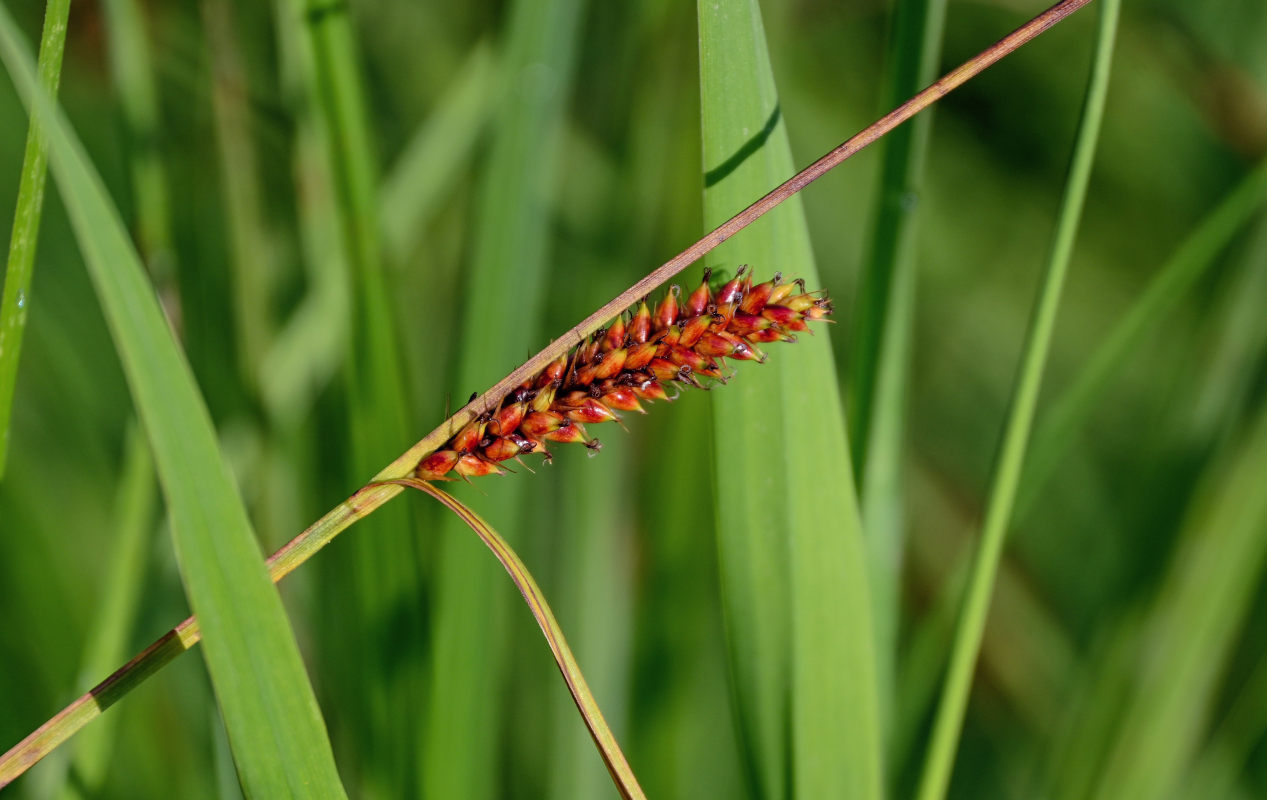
x,y
679,343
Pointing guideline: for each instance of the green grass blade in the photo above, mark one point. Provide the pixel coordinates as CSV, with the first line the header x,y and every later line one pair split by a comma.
x,y
883,326
106,647
249,254
1195,256
26,223
504,298
790,542
1219,765
268,705
594,590
1187,639
601,733
433,160
382,579
132,72
376,388
307,351
935,778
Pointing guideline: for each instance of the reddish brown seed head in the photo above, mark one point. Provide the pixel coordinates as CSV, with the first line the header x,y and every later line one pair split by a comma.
x,y
692,328
698,362
755,299
720,344
472,466
783,317
802,302
747,324
469,437
640,355
504,447
663,370
585,375
771,334
614,339
820,310
611,365
437,465
782,290
553,373
507,418
640,325
684,341
539,423
588,352
700,299
666,313
568,433
650,390
590,411
622,398
731,291
544,397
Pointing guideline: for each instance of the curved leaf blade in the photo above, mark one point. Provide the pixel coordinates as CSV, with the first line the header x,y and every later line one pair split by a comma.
x,y
270,712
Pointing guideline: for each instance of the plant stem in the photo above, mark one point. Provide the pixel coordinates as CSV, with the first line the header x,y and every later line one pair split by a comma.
x,y
1007,467
184,636
26,221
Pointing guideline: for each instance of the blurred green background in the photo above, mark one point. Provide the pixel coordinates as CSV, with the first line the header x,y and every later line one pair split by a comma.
x,y
1124,588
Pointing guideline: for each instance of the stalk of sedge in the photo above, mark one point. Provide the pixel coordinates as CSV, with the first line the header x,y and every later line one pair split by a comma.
x,y
680,343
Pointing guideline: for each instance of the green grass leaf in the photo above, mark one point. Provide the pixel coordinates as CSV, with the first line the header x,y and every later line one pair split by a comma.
x,y
423,176
123,579
503,299
271,715
1187,638
940,757
790,542
382,577
26,223
883,328
1194,257
599,730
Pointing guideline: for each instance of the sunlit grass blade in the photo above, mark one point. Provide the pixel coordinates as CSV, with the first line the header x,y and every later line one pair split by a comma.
x,y
594,589
939,759
883,326
382,579
604,740
790,543
26,222
251,261
503,299
438,152
1192,625
123,578
132,73
1195,256
375,386
307,351
1219,766
268,705
89,706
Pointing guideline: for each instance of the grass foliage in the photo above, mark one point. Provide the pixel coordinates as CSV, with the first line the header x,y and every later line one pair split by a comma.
x,y
357,215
